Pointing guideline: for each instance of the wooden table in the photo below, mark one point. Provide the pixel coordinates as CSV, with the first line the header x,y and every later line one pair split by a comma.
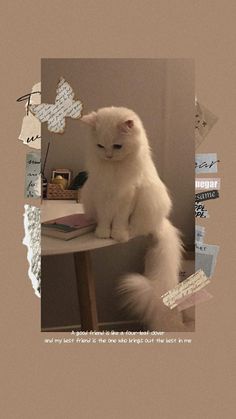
x,y
80,247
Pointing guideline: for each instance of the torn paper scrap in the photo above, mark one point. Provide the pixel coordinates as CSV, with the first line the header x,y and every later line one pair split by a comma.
x,y
205,196
205,257
32,240
206,163
31,127
33,175
199,233
200,211
204,121
192,284
207,183
65,106
194,299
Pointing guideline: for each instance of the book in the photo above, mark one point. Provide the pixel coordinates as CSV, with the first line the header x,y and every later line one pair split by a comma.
x,y
68,227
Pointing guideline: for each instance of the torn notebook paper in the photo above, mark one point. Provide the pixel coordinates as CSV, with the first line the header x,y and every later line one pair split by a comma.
x,y
32,240
186,288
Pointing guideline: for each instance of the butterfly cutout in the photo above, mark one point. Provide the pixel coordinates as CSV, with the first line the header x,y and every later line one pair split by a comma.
x,y
65,106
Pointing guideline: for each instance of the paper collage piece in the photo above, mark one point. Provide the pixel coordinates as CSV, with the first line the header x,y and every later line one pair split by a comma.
x,y
31,128
207,183
200,211
184,289
199,233
205,257
204,121
33,175
32,240
205,196
206,163
65,106
196,298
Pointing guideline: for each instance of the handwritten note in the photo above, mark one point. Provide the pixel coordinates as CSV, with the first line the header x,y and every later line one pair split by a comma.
x,y
205,257
31,128
64,107
187,287
206,163
32,175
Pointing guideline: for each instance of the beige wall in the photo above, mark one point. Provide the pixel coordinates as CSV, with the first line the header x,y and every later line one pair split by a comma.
x,y
162,93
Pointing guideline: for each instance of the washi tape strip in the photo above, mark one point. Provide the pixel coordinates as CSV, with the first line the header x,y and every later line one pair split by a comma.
x,y
32,175
205,257
206,163
194,299
187,287
207,183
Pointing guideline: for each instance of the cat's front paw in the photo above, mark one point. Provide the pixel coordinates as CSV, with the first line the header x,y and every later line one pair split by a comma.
x,y
120,235
102,232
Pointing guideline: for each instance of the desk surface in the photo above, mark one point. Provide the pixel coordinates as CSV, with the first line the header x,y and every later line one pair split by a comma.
x,y
51,246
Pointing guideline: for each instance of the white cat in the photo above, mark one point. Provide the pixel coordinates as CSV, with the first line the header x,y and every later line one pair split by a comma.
x,y
126,197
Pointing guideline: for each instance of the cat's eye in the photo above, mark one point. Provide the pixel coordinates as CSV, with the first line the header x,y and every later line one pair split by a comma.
x,y
100,145
117,146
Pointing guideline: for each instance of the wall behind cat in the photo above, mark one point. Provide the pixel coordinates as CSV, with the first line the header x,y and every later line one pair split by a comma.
x,y
160,91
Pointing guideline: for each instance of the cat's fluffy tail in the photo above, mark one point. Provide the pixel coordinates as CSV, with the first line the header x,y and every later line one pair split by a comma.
x,y
142,294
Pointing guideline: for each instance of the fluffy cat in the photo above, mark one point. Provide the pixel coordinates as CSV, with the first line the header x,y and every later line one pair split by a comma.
x,y
126,197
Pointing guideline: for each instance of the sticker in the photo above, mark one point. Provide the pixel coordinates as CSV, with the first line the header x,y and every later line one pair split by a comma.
x,y
204,121
199,233
207,183
200,211
206,163
205,196
205,257
31,128
32,240
32,175
192,284
65,106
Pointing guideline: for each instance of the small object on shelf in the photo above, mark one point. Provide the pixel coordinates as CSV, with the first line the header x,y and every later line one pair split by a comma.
x,y
55,191
61,181
79,180
64,173
68,227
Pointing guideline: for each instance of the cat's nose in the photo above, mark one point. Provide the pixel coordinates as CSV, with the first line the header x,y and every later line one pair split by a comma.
x,y
108,155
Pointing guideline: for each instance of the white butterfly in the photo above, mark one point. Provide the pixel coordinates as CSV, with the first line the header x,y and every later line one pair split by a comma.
x,y
65,106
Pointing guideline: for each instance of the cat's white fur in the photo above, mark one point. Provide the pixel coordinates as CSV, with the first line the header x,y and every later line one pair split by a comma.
x,y
126,197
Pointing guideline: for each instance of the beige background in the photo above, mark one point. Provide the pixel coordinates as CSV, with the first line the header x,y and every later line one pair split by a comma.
x,y
47,381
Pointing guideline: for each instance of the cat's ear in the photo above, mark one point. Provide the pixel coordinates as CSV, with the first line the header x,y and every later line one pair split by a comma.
x,y
126,126
90,119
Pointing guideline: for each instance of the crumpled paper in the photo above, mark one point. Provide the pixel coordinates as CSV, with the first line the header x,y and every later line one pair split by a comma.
x,y
32,240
